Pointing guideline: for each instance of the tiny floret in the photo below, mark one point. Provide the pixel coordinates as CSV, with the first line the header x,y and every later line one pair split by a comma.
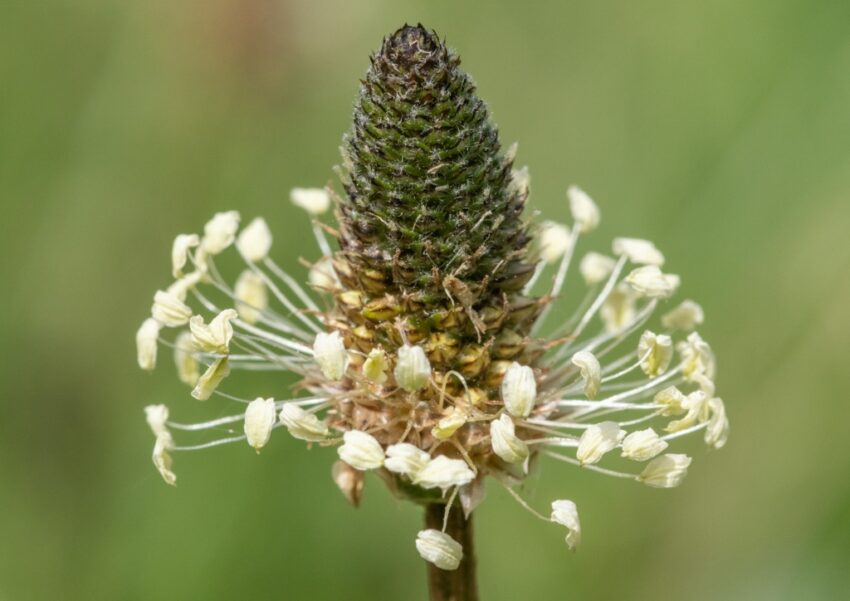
x,y
649,281
640,252
259,421
504,441
655,352
329,352
169,310
687,316
439,548
565,513
554,241
443,473
643,445
255,240
406,459
313,200
596,268
597,440
361,451
302,424
584,210
146,344
412,369
519,390
591,372
213,337
666,471
183,243
220,232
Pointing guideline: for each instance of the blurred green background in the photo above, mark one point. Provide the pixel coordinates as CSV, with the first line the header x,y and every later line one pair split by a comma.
x,y
720,130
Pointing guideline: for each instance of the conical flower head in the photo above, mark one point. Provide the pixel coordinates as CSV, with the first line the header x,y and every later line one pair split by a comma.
x,y
428,191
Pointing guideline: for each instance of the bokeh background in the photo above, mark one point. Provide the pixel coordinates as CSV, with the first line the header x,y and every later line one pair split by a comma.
x,y
720,130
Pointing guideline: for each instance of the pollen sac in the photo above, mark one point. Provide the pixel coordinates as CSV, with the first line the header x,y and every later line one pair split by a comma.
x,y
591,372
376,365
655,352
252,297
329,352
211,378
686,317
361,451
554,240
255,240
220,232
505,443
666,471
565,513
596,268
406,459
650,282
443,473
439,548
447,426
519,390
146,344
302,424
169,310
259,421
313,200
597,440
643,445
183,243
584,210
412,368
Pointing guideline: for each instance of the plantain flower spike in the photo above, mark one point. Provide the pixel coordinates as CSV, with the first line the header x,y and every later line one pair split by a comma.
x,y
428,342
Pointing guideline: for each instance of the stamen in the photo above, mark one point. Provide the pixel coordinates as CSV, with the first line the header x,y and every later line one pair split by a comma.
x,y
321,240
207,425
554,441
209,445
685,432
589,466
282,298
538,270
281,324
560,278
603,295
449,508
292,283
522,502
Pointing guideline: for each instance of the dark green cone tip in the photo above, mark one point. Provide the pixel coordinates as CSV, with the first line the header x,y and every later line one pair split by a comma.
x,y
429,205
